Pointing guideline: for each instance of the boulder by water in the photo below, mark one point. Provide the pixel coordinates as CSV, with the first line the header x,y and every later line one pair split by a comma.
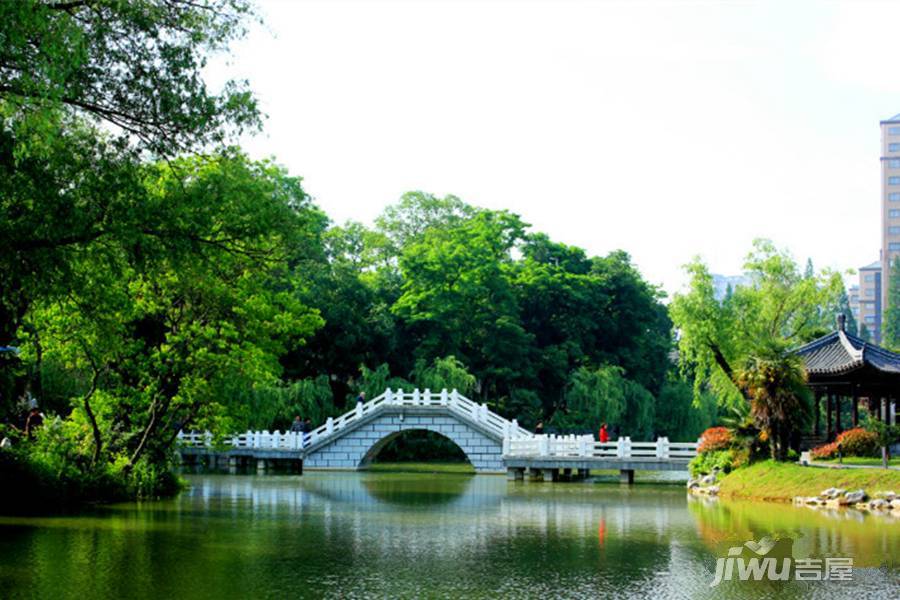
x,y
855,497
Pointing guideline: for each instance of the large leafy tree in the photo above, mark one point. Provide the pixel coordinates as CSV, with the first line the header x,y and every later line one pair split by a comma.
x,y
584,311
134,65
458,299
417,212
738,347
780,305
359,327
169,332
66,191
90,89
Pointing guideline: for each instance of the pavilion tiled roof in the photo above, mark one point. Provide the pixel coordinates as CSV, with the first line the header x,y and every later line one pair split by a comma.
x,y
840,352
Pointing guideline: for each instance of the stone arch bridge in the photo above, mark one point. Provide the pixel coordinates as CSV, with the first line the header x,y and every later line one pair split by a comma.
x,y
491,443
352,440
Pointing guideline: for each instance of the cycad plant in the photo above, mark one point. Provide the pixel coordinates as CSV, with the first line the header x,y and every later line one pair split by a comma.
x,y
774,381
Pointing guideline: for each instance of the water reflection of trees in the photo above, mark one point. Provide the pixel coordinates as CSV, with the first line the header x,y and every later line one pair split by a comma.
x,y
344,533
871,540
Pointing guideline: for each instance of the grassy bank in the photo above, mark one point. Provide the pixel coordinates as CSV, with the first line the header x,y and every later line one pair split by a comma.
x,y
860,460
782,481
420,467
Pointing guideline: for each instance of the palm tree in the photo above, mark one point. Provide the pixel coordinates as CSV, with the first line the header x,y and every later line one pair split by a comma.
x,y
775,383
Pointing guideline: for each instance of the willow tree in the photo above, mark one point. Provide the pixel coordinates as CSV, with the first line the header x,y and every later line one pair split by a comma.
x,y
781,307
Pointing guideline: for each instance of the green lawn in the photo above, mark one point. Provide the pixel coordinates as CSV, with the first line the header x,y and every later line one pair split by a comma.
x,y
416,467
782,481
860,460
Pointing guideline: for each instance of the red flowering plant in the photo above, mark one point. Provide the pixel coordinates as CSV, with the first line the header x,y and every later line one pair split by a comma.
x,y
715,438
854,442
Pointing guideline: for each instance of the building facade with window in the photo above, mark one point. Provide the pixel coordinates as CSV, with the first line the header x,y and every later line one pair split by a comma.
x,y
869,313
853,296
890,199
890,211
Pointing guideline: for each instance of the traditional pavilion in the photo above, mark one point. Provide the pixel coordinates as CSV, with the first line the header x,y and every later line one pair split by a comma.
x,y
844,368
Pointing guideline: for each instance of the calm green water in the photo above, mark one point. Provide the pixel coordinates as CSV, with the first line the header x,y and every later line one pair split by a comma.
x,y
354,535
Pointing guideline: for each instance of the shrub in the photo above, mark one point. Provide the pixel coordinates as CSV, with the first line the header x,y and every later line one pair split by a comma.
x,y
854,442
725,460
825,451
715,439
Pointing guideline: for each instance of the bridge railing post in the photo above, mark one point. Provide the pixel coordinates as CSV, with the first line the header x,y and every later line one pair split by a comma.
x,y
454,397
620,447
505,445
544,445
359,410
583,447
514,426
416,397
444,399
207,439
482,413
329,425
662,447
426,397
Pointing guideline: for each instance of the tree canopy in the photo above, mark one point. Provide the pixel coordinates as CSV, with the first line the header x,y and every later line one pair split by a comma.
x,y
781,306
134,65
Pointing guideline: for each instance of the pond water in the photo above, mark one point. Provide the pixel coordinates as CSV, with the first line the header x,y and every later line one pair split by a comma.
x,y
354,535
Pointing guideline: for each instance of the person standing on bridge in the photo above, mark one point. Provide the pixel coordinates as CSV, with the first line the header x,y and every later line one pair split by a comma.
x,y
604,434
297,425
361,399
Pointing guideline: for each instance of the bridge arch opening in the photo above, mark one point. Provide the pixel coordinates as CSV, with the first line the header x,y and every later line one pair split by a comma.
x,y
416,446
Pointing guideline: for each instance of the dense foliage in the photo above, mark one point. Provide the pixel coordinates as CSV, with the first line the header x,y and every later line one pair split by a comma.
x,y
738,346
853,442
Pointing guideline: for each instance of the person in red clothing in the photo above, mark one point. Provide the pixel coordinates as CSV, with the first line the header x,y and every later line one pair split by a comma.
x,y
604,434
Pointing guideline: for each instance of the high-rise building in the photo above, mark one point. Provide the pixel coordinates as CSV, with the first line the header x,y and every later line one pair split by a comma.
x,y
853,296
890,202
870,299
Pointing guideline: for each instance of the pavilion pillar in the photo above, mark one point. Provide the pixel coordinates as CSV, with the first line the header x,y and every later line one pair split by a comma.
x,y
837,414
828,429
818,407
855,410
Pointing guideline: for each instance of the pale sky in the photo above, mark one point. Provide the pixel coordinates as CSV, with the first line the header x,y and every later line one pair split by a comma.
x,y
667,129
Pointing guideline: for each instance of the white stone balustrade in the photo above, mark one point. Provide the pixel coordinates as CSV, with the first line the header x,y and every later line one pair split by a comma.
x,y
516,441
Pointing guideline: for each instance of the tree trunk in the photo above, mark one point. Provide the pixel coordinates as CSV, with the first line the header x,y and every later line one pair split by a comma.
x,y
151,425
95,430
773,441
